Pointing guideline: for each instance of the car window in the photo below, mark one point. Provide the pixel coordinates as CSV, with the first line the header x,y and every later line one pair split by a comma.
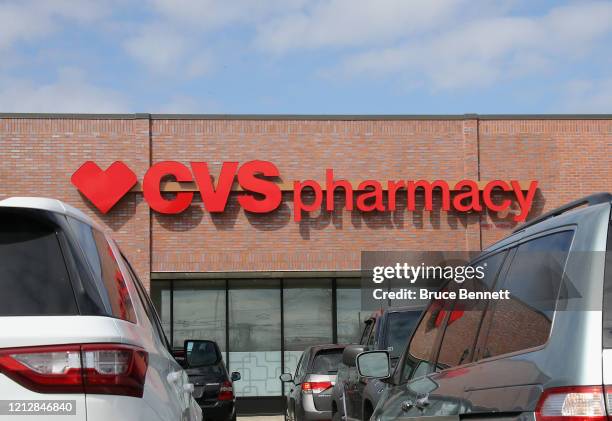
x,y
419,357
202,354
400,326
32,269
148,306
464,322
326,361
533,279
303,366
105,268
297,368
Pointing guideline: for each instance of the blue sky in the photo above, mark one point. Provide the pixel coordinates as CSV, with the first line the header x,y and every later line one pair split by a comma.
x,y
306,57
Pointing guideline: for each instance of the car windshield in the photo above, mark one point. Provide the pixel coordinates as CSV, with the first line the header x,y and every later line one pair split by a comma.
x,y
326,361
401,324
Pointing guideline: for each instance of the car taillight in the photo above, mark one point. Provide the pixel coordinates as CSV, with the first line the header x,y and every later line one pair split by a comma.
x,y
573,403
226,391
315,387
107,369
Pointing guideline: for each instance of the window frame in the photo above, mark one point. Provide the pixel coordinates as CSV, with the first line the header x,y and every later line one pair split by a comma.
x,y
367,330
433,354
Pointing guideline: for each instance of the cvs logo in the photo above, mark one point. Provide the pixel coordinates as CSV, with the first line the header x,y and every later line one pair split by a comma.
x,y
214,199
261,194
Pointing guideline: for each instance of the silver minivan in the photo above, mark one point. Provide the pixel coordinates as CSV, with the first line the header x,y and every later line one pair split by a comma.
x,y
309,396
544,354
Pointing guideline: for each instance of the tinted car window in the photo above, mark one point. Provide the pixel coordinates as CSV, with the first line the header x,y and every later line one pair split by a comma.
x,y
147,305
465,319
202,354
106,272
326,362
534,279
400,327
419,356
303,366
33,273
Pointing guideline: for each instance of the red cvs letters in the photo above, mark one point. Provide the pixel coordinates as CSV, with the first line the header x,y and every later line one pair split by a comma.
x,y
259,192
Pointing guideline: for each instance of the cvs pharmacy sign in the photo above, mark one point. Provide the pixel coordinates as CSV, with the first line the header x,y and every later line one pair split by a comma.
x,y
259,191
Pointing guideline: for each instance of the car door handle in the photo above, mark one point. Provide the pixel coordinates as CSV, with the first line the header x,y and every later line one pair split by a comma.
x,y
173,376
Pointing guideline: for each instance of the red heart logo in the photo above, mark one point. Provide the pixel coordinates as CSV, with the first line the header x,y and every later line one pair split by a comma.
x,y
104,188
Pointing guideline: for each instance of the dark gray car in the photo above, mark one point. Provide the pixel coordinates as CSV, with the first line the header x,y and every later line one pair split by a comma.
x,y
355,397
309,397
545,354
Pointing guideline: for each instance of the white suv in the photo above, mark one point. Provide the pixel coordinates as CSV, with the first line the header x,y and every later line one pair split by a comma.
x,y
79,336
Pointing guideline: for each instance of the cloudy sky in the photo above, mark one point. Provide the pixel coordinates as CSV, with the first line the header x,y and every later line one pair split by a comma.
x,y
298,56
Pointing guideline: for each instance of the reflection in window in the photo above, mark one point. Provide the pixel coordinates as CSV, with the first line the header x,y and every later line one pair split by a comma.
x,y
255,336
534,279
307,308
348,304
463,324
199,311
160,295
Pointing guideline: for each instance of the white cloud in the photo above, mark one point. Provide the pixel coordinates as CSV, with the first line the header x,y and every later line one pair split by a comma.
x,y
336,23
586,96
164,50
70,93
485,51
29,20
213,14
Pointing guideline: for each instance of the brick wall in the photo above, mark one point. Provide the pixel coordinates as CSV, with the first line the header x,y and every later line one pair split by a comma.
x,y
38,157
570,158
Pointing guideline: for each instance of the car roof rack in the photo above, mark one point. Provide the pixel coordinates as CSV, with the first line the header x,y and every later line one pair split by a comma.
x,y
593,199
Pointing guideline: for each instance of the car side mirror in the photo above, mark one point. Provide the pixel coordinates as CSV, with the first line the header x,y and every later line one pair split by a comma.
x,y
374,364
236,376
286,377
350,354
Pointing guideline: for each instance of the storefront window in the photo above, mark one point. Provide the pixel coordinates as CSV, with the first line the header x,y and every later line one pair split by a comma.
x,y
199,311
161,296
246,315
307,316
255,336
350,318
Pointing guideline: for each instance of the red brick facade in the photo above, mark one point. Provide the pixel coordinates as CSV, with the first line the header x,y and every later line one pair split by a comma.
x,y
570,157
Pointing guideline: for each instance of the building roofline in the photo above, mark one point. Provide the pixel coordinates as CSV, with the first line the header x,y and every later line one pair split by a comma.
x,y
337,117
